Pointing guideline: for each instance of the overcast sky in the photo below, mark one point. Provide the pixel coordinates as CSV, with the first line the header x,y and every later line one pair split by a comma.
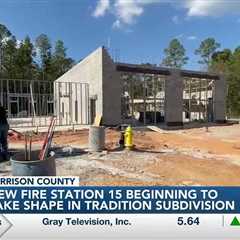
x,y
136,30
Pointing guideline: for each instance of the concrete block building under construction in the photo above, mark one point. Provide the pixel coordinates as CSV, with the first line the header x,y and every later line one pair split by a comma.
x,y
137,94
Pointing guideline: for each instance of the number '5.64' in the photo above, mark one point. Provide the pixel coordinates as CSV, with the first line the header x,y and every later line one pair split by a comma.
x,y
188,221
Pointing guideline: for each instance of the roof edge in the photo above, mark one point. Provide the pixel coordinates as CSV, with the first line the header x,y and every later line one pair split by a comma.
x,y
163,71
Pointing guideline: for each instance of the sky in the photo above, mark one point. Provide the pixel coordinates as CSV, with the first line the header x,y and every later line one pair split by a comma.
x,y
136,31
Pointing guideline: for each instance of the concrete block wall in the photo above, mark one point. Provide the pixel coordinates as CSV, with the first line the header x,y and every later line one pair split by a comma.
x,y
112,90
174,99
99,71
219,100
89,70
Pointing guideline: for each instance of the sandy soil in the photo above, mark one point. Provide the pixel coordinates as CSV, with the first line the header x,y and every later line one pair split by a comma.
x,y
180,157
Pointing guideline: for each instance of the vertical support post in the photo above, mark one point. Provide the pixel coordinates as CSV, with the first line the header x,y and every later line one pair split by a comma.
x,y
88,105
174,99
59,103
81,101
70,103
32,102
154,78
206,105
190,99
219,99
132,82
8,98
206,101
77,100
144,99
200,99
55,112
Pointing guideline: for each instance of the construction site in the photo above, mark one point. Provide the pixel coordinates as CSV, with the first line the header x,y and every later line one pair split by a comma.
x,y
179,133
180,157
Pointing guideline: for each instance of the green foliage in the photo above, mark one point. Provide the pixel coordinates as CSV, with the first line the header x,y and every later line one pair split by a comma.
x,y
4,37
60,62
60,50
175,55
9,50
233,77
43,46
221,61
206,49
4,33
25,60
228,63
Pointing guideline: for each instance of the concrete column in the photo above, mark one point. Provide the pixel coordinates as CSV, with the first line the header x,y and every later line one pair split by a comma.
x,y
174,99
219,100
112,91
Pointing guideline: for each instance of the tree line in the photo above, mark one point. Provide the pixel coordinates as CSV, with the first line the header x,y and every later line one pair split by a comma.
x,y
175,54
40,60
37,60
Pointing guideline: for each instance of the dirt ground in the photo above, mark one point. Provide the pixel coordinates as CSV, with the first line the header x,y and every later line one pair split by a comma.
x,y
180,157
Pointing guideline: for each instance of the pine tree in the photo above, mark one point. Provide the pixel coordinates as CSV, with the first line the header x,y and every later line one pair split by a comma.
x,y
60,62
25,60
43,46
206,50
9,58
175,55
4,35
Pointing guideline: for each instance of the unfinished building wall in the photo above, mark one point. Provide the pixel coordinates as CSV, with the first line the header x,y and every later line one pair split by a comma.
x,y
219,100
174,99
71,103
112,90
106,90
197,97
99,71
90,71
